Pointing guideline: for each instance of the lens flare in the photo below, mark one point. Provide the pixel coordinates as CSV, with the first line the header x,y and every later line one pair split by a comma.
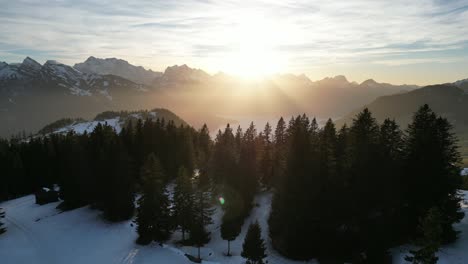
x,y
221,200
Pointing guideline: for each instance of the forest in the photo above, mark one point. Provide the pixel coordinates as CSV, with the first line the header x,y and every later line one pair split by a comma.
x,y
339,194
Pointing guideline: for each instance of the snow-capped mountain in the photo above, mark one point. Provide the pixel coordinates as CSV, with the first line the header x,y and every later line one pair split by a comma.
x,y
118,67
462,84
32,77
182,74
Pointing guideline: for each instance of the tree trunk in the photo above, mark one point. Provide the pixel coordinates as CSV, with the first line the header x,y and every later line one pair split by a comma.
x,y
229,248
199,253
183,234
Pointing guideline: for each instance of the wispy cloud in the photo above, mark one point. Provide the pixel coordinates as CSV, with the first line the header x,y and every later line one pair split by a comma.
x,y
306,34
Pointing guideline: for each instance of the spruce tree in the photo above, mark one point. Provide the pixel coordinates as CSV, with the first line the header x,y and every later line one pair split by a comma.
x,y
432,171
391,160
153,218
230,228
364,186
294,197
233,216
253,248
279,152
266,162
183,202
204,148
246,183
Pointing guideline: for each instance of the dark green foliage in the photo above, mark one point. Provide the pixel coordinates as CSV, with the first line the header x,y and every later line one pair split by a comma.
x,y
432,170
253,248
231,226
295,195
153,218
431,231
203,211
352,195
266,163
183,202
279,153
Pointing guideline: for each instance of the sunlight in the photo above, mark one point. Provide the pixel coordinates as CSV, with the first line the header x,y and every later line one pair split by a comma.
x,y
253,52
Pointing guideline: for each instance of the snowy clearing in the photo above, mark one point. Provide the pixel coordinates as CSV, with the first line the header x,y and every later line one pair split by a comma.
x,y
44,235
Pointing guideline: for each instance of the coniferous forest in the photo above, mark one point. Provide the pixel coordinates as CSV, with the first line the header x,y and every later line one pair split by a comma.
x,y
345,193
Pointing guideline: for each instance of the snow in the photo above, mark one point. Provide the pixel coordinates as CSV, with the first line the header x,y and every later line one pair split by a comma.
x,y
42,234
9,72
81,127
464,172
455,253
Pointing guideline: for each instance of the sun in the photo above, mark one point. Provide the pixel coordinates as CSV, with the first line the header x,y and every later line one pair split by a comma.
x,y
253,49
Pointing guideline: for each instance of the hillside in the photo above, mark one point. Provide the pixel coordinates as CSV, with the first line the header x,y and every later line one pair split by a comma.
x,y
447,100
115,119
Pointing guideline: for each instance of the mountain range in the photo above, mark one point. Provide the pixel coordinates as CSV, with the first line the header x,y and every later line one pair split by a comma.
x,y
33,95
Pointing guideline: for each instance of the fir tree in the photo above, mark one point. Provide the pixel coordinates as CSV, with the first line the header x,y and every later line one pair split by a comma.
x,y
253,248
279,152
153,218
432,171
266,163
204,148
230,228
119,201
233,217
183,208
246,182
295,189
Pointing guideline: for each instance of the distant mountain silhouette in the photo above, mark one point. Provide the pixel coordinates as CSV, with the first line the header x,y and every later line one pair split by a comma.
x,y
447,100
33,95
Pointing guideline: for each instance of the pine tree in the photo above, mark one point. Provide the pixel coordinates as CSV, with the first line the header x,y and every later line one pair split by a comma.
x,y
363,186
183,200
391,160
253,248
266,162
198,235
230,227
295,189
2,215
119,201
153,218
246,183
233,216
204,148
431,231
279,152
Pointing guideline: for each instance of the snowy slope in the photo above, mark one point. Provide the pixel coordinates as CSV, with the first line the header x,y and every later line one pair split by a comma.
x,y
88,127
43,235
117,67
455,253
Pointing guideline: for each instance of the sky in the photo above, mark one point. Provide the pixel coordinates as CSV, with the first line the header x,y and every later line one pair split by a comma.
x,y
397,41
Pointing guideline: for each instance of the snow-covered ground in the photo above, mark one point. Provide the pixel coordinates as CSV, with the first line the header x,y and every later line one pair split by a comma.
x,y
44,235
89,126
455,253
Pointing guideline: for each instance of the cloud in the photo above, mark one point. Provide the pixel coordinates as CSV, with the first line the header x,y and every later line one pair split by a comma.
x,y
306,33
